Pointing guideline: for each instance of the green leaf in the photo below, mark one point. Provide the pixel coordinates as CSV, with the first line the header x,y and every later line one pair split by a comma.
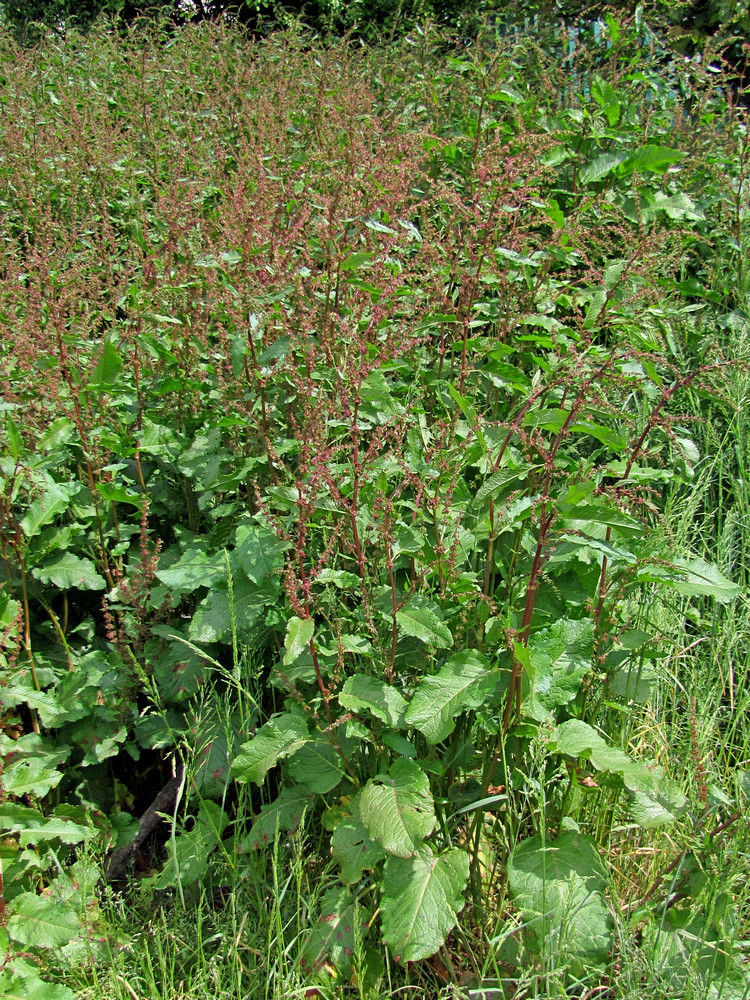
x,y
361,693
212,621
699,578
334,938
107,368
34,827
32,775
560,656
397,808
258,552
420,900
656,159
53,501
559,889
15,438
70,572
460,685
192,570
351,845
188,855
279,737
497,482
601,166
658,800
39,922
422,619
283,815
299,632
317,765
32,988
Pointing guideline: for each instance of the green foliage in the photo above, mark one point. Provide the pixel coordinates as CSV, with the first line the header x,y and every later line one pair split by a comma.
x,y
337,501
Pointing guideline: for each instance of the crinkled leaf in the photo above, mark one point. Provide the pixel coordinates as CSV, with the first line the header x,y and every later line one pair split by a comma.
x,y
420,900
39,922
277,738
600,166
192,570
68,572
397,809
560,656
362,693
283,815
460,685
352,846
258,552
422,619
559,888
32,988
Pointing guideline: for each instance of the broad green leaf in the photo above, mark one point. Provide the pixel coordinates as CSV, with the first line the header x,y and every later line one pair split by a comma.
x,y
560,656
277,738
362,693
40,922
699,578
34,827
352,846
317,765
333,939
281,816
32,988
460,685
665,800
397,809
188,855
69,572
495,484
559,888
299,632
55,499
656,159
118,494
32,775
108,367
15,438
192,570
601,166
212,621
420,900
258,552
422,619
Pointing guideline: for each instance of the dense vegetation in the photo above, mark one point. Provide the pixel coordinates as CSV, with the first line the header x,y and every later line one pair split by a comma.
x,y
372,497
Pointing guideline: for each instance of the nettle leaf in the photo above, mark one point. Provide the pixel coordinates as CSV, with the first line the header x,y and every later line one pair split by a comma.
x,y
317,765
299,632
333,939
34,827
362,693
69,572
560,656
559,889
192,570
420,900
460,685
657,800
258,552
352,846
281,816
423,620
33,775
39,922
277,738
699,578
397,808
